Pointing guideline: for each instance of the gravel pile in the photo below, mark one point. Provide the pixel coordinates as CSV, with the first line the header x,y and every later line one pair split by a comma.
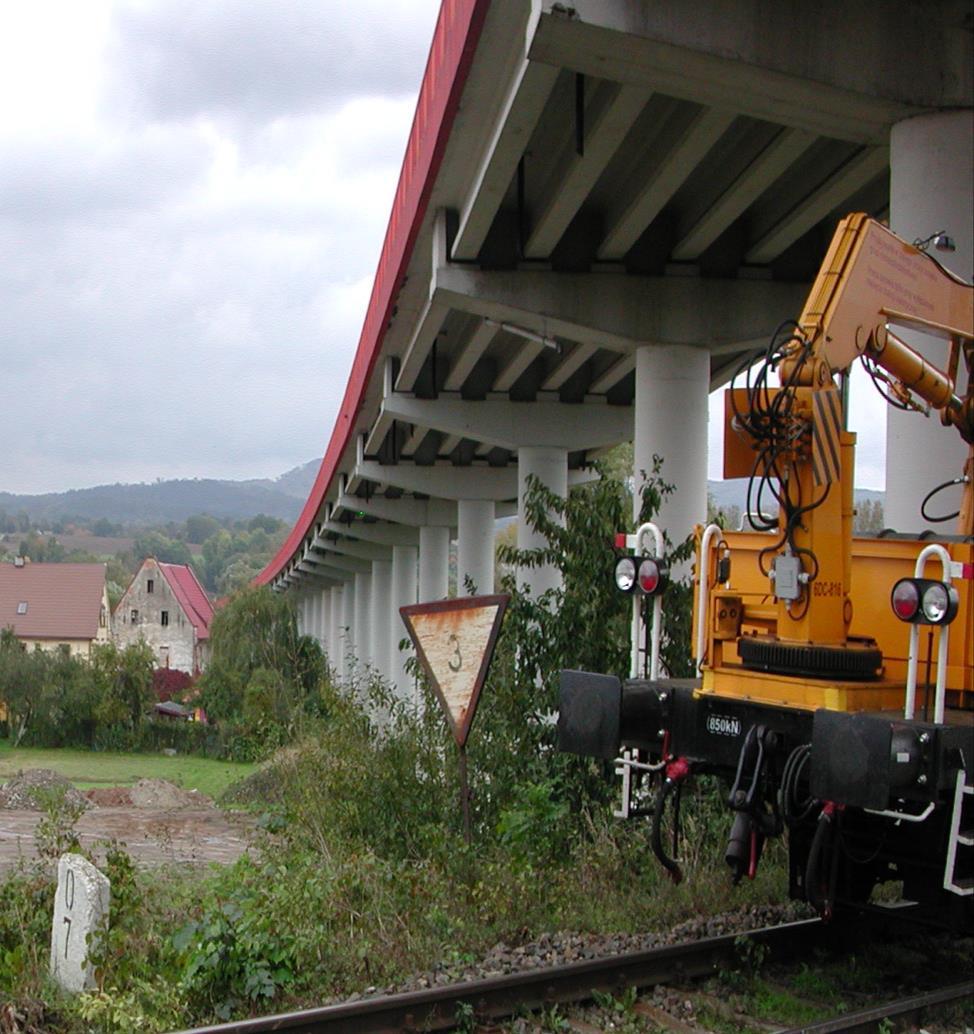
x,y
28,791
159,793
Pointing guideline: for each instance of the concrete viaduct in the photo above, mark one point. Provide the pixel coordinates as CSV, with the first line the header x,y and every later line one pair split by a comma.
x,y
603,206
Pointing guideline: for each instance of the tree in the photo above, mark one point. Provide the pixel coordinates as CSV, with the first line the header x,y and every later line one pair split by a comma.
x,y
21,683
41,550
257,631
123,683
200,527
869,517
163,548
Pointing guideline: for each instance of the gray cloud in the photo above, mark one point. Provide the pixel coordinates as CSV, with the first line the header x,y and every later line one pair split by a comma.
x,y
182,288
257,59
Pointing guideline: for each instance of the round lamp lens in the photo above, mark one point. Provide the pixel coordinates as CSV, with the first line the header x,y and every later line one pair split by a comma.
x,y
905,600
648,576
625,574
935,602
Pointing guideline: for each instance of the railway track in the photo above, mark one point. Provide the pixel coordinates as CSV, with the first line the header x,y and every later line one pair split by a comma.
x,y
489,1000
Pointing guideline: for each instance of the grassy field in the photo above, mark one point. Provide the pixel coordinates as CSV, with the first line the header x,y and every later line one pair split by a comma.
x,y
93,768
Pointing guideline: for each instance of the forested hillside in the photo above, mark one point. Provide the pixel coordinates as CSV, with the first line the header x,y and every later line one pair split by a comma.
x,y
162,501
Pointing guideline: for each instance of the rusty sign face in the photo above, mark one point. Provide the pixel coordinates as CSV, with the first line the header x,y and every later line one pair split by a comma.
x,y
455,641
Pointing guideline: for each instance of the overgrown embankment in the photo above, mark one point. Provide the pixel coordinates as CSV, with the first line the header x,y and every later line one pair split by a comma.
x,y
361,875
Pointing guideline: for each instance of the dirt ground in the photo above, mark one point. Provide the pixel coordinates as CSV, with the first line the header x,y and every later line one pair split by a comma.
x,y
156,821
152,837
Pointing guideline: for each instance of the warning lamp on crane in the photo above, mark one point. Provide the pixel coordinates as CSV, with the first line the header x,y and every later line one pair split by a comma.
x,y
923,601
647,576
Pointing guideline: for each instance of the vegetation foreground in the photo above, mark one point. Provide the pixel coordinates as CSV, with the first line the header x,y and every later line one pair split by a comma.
x,y
360,875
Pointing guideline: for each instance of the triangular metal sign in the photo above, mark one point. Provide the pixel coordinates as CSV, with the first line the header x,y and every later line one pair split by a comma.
x,y
455,642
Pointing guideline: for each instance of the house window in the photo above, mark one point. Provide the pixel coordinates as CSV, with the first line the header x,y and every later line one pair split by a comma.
x,y
164,616
135,617
150,585
102,618
22,607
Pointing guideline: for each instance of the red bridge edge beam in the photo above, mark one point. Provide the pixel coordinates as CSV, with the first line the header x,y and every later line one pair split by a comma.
x,y
451,53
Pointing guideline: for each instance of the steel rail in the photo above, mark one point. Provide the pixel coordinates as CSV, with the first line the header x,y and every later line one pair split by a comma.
x,y
912,1008
491,997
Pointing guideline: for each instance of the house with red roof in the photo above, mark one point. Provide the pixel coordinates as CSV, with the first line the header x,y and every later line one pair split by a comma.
x,y
55,605
166,607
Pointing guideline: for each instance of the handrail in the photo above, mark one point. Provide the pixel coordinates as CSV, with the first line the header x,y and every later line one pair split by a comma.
x,y
637,617
703,590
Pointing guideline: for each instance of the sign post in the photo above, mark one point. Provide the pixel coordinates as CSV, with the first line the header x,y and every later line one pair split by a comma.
x,y
455,642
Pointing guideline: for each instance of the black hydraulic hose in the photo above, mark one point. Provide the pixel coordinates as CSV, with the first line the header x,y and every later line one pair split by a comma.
x,y
934,491
672,868
813,875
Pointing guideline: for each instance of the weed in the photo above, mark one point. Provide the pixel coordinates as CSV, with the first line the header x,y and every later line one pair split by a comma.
x,y
465,1018
55,833
773,1003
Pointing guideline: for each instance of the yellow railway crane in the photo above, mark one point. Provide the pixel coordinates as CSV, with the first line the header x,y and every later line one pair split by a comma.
x,y
808,640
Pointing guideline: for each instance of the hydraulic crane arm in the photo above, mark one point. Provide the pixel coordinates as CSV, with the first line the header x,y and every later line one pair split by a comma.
x,y
872,280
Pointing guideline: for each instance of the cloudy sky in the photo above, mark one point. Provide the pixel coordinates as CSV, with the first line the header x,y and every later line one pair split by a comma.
x,y
192,200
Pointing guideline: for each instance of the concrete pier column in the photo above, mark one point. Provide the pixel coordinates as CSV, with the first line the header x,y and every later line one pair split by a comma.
x,y
434,563
404,591
346,632
334,625
381,631
475,545
363,622
931,189
322,617
672,386
550,467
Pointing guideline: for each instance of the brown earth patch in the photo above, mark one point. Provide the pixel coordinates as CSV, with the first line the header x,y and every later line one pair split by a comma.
x,y
156,821
109,797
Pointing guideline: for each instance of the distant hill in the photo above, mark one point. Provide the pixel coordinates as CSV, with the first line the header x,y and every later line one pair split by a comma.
x,y
734,493
282,497
162,501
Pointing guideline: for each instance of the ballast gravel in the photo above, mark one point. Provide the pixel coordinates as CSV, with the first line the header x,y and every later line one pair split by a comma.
x,y
556,949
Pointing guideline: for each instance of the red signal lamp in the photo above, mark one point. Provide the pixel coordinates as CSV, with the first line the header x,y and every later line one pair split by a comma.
x,y
924,601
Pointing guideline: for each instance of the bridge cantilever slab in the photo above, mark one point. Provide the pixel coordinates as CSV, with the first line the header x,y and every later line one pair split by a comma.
x,y
513,425
416,512
619,312
444,480
494,484
382,533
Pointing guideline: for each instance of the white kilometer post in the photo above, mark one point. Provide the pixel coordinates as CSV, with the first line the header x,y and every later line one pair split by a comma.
x,y
80,915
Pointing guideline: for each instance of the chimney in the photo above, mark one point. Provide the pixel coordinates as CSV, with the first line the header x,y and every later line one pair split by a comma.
x,y
19,561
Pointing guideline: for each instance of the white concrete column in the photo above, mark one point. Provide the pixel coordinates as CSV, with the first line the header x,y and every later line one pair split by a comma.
x,y
334,624
550,467
381,629
346,631
931,189
320,618
672,387
404,591
434,563
302,609
475,545
363,621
